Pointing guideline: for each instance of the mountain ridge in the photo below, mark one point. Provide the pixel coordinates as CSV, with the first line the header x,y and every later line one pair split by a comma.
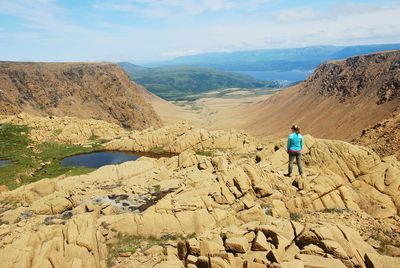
x,y
86,90
337,101
278,59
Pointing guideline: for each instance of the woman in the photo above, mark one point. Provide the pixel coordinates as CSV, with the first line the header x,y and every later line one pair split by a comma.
x,y
294,146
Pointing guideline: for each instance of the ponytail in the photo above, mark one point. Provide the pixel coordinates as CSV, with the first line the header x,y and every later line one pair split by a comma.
x,y
296,128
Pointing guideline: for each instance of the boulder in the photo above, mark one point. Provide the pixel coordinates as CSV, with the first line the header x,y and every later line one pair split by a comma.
x,y
260,243
320,262
237,245
279,209
292,264
193,246
214,246
374,260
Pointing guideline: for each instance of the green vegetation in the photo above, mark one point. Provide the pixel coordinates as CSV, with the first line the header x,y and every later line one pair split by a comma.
x,y
295,216
335,210
133,243
385,238
157,188
180,82
34,162
204,153
157,150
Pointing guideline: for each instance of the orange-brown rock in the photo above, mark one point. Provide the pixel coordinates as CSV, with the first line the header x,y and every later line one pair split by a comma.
x,y
383,137
85,90
337,101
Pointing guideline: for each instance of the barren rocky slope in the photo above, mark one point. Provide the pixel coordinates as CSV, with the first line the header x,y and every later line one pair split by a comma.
x,y
85,90
383,137
231,207
337,101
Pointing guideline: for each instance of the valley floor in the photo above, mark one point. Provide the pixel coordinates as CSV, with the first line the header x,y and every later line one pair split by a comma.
x,y
213,112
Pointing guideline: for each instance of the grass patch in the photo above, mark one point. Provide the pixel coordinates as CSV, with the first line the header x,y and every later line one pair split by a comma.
x,y
157,150
133,243
204,153
335,210
156,188
32,163
295,216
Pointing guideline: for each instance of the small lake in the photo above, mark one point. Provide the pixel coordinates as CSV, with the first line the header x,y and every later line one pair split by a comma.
x,y
98,159
4,163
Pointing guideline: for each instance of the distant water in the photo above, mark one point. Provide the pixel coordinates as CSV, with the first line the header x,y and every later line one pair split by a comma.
x,y
4,162
288,76
98,159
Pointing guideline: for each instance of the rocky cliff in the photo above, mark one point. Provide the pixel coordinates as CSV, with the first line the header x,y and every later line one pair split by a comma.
x,y
337,101
383,137
230,208
374,76
85,90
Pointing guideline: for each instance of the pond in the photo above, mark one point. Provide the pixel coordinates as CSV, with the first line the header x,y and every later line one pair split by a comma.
x,y
99,159
4,162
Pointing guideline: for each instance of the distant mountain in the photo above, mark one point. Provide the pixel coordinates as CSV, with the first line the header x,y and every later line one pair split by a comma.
x,y
287,59
130,67
179,82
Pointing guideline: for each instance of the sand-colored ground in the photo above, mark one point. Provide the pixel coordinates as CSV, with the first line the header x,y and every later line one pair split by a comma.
x,y
209,113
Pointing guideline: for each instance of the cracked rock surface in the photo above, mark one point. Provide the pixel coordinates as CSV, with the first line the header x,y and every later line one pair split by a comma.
x,y
233,208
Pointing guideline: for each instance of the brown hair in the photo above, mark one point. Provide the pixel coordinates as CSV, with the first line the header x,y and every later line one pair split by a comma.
x,y
296,128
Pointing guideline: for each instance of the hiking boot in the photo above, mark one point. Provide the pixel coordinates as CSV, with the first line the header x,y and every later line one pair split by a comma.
x,y
287,175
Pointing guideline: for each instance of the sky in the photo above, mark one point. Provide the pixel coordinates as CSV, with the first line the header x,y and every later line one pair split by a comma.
x,y
143,31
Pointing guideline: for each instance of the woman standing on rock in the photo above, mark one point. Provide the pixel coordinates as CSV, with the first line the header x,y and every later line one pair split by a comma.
x,y
294,146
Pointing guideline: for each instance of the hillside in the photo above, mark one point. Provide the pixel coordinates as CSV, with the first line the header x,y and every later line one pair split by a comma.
x,y
85,90
337,101
287,59
182,82
383,137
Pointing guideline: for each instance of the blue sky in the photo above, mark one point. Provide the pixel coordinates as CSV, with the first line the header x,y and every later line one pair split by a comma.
x,y
150,30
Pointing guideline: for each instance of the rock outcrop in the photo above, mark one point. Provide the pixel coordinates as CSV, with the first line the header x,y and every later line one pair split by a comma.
x,y
375,75
180,137
383,137
232,207
341,176
338,101
85,90
68,130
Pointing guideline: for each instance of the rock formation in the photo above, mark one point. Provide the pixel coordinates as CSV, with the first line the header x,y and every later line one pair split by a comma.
x,y
68,130
337,101
85,90
383,137
233,208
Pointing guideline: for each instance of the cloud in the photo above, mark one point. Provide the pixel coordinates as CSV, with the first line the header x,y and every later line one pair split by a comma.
x,y
173,8
35,14
180,53
298,14
331,12
49,31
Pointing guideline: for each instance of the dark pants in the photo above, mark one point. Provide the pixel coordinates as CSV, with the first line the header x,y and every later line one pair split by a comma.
x,y
296,155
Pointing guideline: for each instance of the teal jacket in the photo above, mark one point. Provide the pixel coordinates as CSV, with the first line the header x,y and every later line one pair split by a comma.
x,y
295,142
